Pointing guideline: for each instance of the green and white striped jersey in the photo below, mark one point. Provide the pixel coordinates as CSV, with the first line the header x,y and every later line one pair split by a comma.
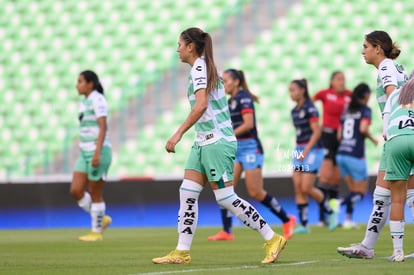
x,y
398,119
90,109
389,73
215,123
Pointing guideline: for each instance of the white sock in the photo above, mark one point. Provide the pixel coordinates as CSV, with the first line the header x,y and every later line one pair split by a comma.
x,y
378,217
97,214
244,211
410,201
188,213
397,234
85,202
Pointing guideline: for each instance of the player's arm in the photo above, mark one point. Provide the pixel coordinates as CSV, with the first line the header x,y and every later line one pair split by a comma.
x,y
339,133
389,89
101,111
364,130
316,134
197,111
101,136
247,125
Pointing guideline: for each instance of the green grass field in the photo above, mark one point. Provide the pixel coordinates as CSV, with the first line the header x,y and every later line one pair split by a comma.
x,y
129,251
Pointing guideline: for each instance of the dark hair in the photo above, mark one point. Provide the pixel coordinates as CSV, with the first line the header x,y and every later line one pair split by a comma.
x,y
382,39
203,45
333,74
239,75
303,84
407,93
92,76
359,93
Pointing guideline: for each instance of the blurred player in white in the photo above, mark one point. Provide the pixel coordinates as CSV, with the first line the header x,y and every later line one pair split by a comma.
x,y
212,154
380,51
95,157
398,120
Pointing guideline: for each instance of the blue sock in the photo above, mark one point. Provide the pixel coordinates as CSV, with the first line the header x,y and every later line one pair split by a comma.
x,y
274,206
226,219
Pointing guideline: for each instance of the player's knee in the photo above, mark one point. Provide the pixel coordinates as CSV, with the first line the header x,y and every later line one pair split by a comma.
x,y
76,192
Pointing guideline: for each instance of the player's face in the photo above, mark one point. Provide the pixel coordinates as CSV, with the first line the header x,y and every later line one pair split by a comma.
x,y
230,84
83,86
369,52
183,50
296,93
338,82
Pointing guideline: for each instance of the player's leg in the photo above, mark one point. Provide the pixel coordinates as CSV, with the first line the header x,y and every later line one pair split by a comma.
x,y
302,204
97,175
218,160
189,192
377,219
226,216
254,185
79,183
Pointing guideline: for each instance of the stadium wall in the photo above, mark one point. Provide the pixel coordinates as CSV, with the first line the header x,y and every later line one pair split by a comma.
x,y
131,202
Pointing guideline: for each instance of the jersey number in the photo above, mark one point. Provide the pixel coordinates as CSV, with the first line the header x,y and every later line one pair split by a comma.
x,y
348,131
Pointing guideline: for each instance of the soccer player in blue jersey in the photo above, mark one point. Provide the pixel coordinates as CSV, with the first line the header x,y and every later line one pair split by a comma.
x,y
350,158
212,154
310,154
249,156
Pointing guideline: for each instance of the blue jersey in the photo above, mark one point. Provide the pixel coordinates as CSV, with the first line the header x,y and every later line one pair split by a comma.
x,y
302,118
352,142
239,105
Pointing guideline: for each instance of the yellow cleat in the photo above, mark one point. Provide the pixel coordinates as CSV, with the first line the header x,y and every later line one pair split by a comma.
x,y
107,220
273,248
174,257
91,237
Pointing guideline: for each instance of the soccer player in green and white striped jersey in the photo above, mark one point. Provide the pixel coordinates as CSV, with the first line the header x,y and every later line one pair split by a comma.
x,y
95,157
212,154
398,120
379,50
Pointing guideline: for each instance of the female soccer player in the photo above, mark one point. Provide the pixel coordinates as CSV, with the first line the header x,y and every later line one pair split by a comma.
x,y
310,155
334,99
380,51
212,154
95,157
249,156
398,120
351,152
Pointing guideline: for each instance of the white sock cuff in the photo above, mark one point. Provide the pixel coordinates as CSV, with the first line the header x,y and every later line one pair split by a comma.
x,y
98,206
382,191
224,193
397,227
86,199
192,186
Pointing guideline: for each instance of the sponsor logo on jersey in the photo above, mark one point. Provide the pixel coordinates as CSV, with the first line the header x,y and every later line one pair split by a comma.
x,y
384,68
245,100
199,68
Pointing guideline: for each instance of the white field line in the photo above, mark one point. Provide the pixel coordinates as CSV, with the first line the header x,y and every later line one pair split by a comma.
x,y
222,269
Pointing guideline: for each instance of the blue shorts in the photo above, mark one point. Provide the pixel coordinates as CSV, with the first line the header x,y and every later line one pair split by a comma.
x,y
352,166
247,154
311,163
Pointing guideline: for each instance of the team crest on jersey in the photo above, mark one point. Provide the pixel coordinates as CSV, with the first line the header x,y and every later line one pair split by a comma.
x,y
233,104
399,68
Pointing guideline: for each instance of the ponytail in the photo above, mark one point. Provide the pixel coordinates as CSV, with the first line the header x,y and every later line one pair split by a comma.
x,y
303,84
239,75
203,46
92,76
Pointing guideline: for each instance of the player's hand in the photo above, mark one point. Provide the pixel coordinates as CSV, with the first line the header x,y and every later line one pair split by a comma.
x,y
170,146
96,160
376,142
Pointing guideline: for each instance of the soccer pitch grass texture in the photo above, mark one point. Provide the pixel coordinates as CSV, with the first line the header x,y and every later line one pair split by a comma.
x,y
129,251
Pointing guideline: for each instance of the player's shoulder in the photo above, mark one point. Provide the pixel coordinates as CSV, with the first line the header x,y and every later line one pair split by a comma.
x,y
199,65
97,97
386,65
